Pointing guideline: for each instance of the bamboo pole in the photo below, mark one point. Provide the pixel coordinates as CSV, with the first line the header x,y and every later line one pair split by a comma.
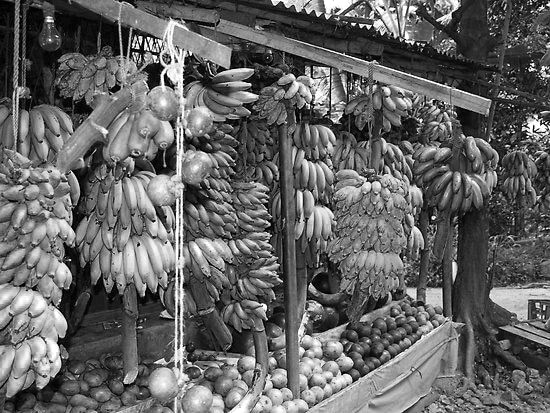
x,y
289,259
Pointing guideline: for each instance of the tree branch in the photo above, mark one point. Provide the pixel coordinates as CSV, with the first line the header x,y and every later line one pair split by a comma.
x,y
457,15
453,34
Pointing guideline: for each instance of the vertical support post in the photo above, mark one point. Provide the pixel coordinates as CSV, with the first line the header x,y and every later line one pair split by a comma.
x,y
423,224
129,336
448,272
289,259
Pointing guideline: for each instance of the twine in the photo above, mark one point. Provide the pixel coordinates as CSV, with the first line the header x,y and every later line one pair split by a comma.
x,y
16,68
370,107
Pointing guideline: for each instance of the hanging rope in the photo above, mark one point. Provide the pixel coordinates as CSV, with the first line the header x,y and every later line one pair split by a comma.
x,y
370,107
16,68
24,44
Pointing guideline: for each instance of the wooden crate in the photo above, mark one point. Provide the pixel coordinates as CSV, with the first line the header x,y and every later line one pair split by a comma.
x,y
538,309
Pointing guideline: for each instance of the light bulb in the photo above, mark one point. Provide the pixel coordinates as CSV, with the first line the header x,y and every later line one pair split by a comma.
x,y
49,38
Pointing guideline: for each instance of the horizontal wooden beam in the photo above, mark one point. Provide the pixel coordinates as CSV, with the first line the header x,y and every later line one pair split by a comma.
x,y
180,11
155,26
358,66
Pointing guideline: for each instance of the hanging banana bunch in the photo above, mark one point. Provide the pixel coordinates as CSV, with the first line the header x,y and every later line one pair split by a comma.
x,y
518,172
542,179
223,95
436,119
35,220
456,188
392,100
41,133
256,152
369,235
80,76
123,237
253,273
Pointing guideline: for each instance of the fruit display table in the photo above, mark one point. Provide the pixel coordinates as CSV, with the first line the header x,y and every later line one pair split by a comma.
x,y
398,384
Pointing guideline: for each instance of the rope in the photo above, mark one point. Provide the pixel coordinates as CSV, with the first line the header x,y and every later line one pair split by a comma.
x,y
16,67
24,44
370,107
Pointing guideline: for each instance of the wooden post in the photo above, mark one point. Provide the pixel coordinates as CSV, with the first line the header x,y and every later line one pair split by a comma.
x,y
129,337
448,272
423,224
301,281
289,259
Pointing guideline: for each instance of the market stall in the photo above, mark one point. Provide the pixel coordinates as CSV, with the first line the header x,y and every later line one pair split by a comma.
x,y
216,187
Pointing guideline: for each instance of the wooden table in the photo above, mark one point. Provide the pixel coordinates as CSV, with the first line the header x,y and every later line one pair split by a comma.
x,y
532,330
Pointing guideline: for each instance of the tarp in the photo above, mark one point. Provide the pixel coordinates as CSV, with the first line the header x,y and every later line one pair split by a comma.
x,y
400,383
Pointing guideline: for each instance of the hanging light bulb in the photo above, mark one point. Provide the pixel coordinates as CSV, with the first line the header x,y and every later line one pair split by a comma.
x,y
49,38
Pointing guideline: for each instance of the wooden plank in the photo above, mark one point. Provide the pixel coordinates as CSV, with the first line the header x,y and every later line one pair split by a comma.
x,y
537,324
155,26
534,330
360,67
179,11
525,334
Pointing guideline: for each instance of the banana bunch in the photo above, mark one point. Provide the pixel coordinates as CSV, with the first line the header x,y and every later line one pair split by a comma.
x,y
519,171
542,179
416,198
124,238
80,76
415,243
136,134
289,89
437,121
35,218
369,235
35,357
455,184
29,329
350,154
41,133
393,101
255,160
224,95
254,272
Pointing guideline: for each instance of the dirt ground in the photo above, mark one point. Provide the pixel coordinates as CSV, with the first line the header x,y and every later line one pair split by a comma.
x,y
513,299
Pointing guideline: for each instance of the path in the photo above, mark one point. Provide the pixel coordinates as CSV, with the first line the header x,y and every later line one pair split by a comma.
x,y
513,299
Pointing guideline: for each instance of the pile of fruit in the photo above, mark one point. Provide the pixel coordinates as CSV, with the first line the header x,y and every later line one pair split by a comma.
x,y
35,220
42,131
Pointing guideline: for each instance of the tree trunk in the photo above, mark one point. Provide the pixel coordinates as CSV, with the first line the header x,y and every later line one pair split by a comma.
x,y
448,272
423,224
519,216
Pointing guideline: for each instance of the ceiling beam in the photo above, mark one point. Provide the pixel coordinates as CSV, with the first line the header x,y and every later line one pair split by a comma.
x,y
180,11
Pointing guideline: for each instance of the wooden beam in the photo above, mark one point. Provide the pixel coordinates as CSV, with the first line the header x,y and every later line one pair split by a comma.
x,y
353,19
360,67
180,11
155,26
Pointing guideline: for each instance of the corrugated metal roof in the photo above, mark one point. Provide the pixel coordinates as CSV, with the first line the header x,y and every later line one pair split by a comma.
x,y
311,14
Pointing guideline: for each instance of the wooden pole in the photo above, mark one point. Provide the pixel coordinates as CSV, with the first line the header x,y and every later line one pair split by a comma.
x,y
448,273
129,337
289,259
423,224
301,282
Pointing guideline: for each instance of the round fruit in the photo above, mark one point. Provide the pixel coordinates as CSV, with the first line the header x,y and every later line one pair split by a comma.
x,y
223,384
198,399
332,349
400,320
276,396
248,377
319,393
380,324
195,167
331,366
279,380
302,405
246,363
414,326
305,368
435,323
358,364
199,121
163,102
438,309
163,384
303,382
264,404
328,375
212,373
290,406
393,349
355,375
385,357
193,372
395,311
233,398
162,190
345,363
364,370
351,335
317,379
277,409
310,353
391,324
364,330
387,336
307,342
375,332
287,394
309,397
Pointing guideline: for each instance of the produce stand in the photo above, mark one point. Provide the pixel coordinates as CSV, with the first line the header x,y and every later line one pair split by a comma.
x,y
529,330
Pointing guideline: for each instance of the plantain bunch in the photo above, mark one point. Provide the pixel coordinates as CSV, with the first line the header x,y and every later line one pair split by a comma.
x,y
369,235
436,119
542,179
518,173
35,222
123,236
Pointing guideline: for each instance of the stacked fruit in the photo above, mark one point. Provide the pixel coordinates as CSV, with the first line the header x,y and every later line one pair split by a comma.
x,y
368,345
253,274
137,134
392,100
437,120
289,89
519,171
542,179
123,237
255,149
41,133
35,219
455,182
369,235
80,76
224,95
313,179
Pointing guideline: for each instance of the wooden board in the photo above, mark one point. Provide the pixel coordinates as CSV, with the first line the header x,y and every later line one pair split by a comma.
x,y
533,330
355,65
180,11
527,335
155,26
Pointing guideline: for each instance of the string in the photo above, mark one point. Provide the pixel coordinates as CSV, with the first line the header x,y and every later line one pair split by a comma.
x,y
16,67
370,107
24,44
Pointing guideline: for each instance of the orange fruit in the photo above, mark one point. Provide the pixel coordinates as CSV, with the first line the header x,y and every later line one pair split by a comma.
x,y
317,380
217,401
331,366
230,371
328,391
305,368
277,409
246,363
212,373
223,384
307,342
319,393
345,363
163,384
303,382
198,399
